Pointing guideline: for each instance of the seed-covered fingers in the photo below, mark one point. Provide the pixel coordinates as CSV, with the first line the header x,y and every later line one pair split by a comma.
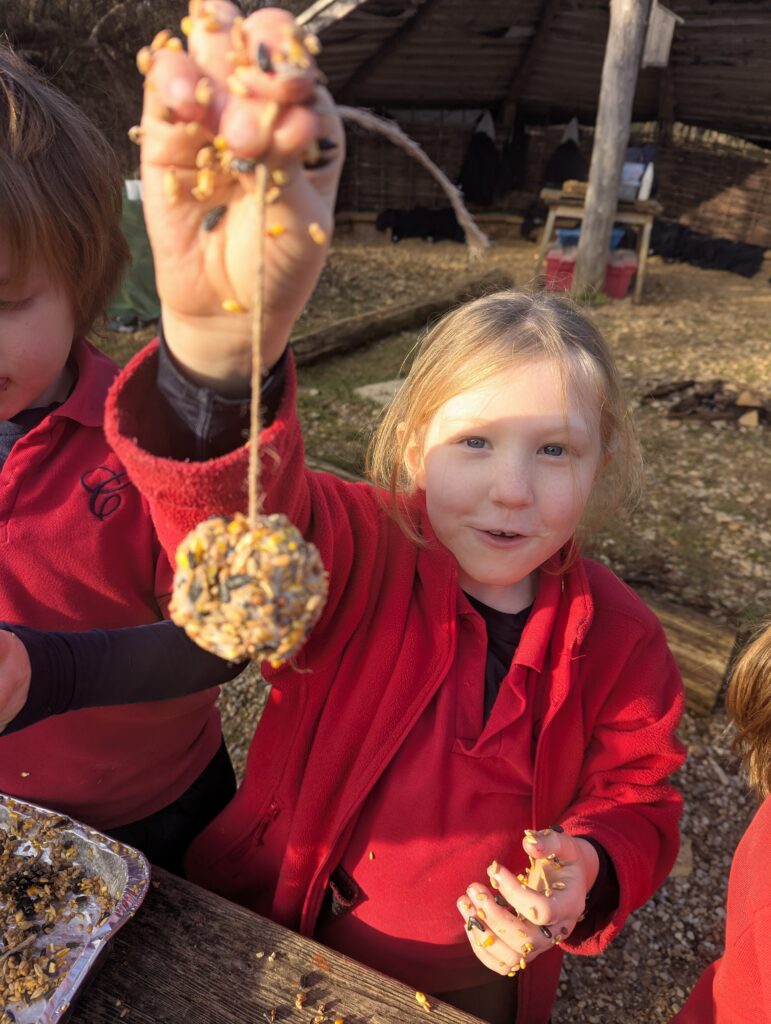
x,y
222,97
499,939
227,85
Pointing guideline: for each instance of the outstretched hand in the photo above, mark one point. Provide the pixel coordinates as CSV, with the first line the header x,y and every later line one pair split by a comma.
x,y
244,91
518,917
15,675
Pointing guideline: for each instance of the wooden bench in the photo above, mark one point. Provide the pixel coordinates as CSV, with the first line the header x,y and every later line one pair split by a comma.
x,y
190,957
703,650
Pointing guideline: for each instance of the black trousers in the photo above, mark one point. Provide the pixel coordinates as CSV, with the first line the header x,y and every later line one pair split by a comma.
x,y
164,836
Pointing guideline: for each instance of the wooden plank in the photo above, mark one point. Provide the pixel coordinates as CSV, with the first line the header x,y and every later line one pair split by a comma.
x,y
367,67
355,331
518,81
190,957
702,649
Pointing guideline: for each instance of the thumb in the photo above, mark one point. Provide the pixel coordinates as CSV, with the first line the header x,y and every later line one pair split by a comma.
x,y
15,676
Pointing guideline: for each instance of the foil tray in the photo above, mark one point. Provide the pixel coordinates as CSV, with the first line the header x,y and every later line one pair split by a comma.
x,y
125,872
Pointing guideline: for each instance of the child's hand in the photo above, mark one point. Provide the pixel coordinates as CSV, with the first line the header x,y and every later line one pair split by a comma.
x,y
15,675
513,923
245,90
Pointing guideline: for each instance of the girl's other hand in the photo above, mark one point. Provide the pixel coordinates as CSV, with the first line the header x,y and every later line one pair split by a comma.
x,y
15,675
245,91
511,922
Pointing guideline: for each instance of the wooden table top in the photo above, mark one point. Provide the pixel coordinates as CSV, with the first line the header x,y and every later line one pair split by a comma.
x,y
554,196
191,957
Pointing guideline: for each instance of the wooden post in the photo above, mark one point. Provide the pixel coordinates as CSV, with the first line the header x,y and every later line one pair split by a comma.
x,y
611,135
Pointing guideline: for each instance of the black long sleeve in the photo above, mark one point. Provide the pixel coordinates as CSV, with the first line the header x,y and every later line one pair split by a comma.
x,y
104,667
203,424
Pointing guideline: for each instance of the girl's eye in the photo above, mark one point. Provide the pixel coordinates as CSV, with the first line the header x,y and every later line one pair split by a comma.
x,y
10,306
475,442
555,450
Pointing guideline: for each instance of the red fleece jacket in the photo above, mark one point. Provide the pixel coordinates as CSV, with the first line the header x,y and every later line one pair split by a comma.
x,y
385,645
737,988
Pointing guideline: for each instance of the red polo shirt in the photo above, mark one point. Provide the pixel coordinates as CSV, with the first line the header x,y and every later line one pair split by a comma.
x,y
79,551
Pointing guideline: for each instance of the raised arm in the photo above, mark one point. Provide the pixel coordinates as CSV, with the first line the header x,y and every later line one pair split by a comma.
x,y
246,90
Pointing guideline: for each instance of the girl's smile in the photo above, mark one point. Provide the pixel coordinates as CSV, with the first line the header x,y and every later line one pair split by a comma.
x,y
507,468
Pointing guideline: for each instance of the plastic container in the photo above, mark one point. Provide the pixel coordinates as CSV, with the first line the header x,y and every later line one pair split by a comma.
x,y
619,272
561,264
569,236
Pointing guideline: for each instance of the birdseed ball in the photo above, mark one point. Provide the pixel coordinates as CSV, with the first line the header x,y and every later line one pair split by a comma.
x,y
244,591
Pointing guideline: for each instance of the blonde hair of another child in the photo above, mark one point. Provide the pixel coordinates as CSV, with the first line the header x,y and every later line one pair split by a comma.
x,y
749,706
60,191
482,338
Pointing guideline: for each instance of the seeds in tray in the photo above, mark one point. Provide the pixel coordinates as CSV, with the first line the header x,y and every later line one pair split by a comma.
x,y
244,591
41,887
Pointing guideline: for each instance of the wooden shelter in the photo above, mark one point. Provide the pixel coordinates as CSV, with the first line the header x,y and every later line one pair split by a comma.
x,y
434,65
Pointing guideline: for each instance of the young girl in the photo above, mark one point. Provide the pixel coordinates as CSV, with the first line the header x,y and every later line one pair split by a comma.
x,y
472,675
738,986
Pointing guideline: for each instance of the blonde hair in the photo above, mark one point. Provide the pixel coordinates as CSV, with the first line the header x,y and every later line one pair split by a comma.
x,y
748,703
482,338
60,191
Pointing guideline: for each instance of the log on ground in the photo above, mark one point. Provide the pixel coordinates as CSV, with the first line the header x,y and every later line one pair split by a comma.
x,y
355,331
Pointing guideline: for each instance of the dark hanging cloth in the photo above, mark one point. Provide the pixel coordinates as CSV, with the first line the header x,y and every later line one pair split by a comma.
x,y
567,163
513,160
680,244
420,222
479,172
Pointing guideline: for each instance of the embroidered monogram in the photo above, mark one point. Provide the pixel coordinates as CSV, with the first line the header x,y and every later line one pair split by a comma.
x,y
103,485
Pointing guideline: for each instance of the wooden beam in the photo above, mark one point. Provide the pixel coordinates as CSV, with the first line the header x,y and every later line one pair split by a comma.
x,y
619,77
369,65
549,11
355,331
701,647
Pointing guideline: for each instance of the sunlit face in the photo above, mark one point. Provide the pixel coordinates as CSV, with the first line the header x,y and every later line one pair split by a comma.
x,y
507,468
36,334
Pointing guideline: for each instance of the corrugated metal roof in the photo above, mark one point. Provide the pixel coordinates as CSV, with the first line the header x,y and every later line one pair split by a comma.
x,y
458,53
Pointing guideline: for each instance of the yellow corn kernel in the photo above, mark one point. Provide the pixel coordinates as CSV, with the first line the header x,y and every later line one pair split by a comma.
x,y
232,306
236,86
144,60
205,157
317,233
275,230
160,40
203,92
170,185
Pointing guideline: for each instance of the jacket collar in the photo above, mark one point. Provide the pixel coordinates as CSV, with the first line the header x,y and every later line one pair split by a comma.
x,y
563,602
96,371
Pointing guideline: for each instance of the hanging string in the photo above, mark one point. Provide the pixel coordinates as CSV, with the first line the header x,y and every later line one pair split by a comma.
x,y
260,181
476,239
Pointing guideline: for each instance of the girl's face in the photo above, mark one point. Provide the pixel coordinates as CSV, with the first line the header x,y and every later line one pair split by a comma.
x,y
507,468
36,334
